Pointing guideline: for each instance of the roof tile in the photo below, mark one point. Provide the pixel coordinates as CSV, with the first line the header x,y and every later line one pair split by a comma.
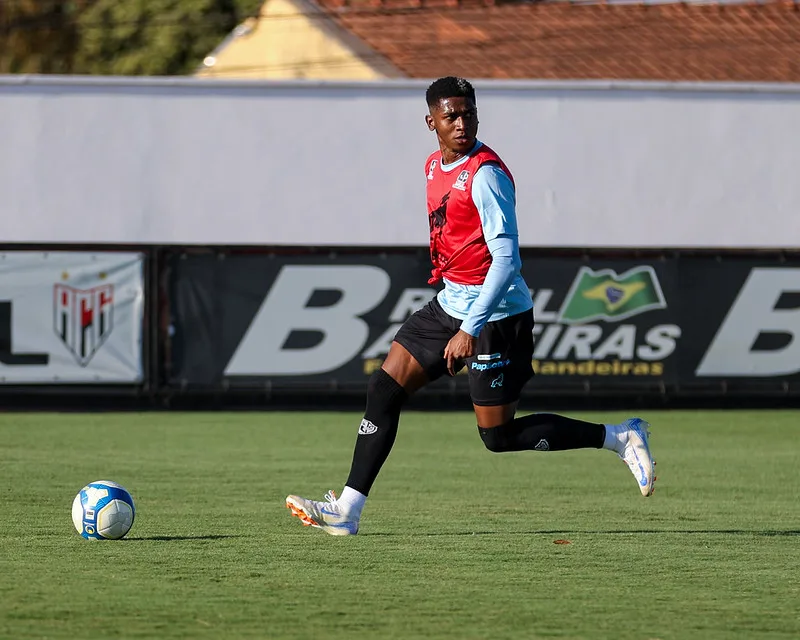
x,y
482,39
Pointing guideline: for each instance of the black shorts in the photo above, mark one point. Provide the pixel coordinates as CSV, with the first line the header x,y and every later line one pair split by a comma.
x,y
502,362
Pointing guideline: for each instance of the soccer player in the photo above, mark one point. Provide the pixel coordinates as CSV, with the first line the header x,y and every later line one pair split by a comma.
x,y
482,318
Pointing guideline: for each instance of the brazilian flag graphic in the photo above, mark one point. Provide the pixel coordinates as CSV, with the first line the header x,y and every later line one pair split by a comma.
x,y
605,295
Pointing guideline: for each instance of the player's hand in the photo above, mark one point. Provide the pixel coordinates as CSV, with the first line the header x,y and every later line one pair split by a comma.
x,y
461,346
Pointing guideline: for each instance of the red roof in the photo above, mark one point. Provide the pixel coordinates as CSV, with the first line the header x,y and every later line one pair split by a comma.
x,y
475,39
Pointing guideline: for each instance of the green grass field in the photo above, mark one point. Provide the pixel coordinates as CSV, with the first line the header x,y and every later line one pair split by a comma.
x,y
455,542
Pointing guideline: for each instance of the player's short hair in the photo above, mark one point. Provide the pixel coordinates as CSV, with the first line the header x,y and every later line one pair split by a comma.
x,y
449,87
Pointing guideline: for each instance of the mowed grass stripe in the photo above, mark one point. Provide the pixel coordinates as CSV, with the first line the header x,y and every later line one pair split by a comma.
x,y
456,542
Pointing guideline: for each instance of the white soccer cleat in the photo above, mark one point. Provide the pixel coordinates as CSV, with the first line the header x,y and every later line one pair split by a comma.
x,y
328,516
636,454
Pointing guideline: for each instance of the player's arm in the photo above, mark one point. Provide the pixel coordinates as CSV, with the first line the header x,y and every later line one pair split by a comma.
x,y
494,196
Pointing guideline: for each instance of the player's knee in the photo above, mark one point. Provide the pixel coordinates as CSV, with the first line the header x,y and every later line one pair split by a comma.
x,y
494,439
384,391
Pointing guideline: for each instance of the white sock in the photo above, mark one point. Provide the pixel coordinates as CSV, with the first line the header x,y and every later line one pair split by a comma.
x,y
614,438
353,501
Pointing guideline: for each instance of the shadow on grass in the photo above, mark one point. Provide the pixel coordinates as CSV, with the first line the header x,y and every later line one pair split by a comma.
x,y
613,532
174,538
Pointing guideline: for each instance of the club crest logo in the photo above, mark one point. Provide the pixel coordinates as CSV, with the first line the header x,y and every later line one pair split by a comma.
x,y
461,181
367,427
83,318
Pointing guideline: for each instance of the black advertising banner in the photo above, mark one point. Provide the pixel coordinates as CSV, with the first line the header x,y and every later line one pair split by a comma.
x,y
741,325
660,324
300,318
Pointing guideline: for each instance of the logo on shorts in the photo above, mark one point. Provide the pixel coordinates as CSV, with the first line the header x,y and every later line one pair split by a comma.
x,y
497,382
487,357
542,445
461,181
492,365
367,428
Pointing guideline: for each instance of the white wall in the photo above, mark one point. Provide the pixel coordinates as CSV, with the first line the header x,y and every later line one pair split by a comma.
x,y
205,161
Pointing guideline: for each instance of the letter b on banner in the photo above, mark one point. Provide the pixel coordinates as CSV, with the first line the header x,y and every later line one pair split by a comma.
x,y
286,310
756,313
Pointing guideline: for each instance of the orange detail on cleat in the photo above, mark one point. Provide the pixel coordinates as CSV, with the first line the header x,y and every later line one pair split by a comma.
x,y
301,515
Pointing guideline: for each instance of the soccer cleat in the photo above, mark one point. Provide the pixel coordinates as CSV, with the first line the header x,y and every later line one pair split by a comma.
x,y
328,516
636,454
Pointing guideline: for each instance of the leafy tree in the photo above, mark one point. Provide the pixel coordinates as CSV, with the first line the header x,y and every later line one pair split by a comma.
x,y
121,37
38,36
152,37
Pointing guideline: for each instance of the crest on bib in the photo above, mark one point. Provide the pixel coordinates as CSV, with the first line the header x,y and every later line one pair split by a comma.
x,y
461,181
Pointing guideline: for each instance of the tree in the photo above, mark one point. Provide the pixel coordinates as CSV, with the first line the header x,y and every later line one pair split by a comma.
x,y
39,36
122,37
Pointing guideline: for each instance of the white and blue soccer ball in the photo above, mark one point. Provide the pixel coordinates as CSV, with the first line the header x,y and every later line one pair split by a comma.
x,y
103,510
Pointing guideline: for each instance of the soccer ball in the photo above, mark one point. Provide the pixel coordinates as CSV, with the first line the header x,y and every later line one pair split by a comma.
x,y
103,510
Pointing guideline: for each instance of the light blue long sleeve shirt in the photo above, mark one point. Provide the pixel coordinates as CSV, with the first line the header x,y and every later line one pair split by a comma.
x,y
504,292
